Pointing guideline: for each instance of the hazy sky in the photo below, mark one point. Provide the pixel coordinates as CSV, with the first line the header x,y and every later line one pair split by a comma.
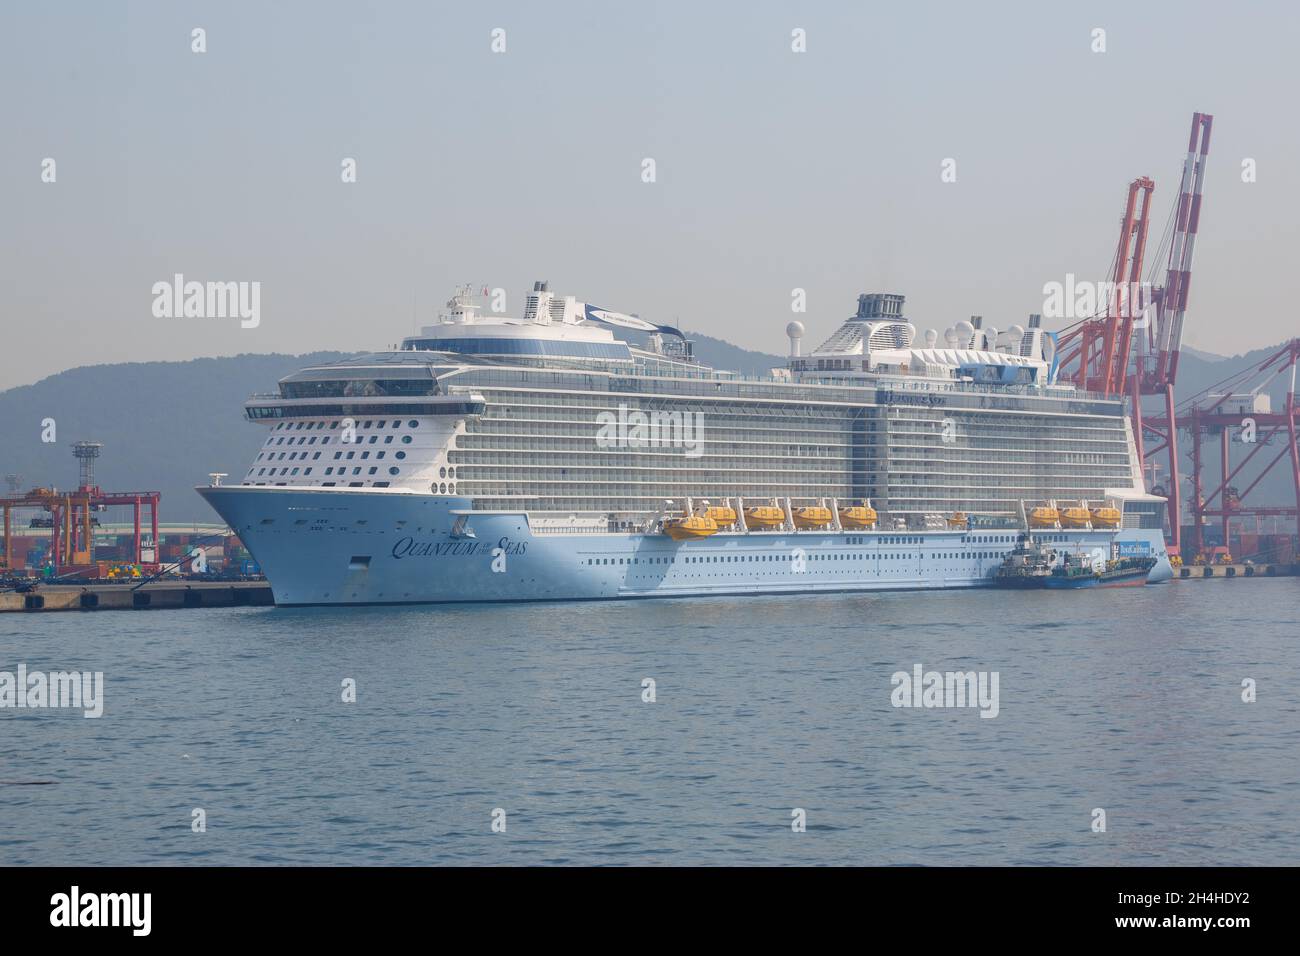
x,y
775,170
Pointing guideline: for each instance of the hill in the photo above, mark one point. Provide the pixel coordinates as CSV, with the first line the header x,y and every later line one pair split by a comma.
x,y
164,425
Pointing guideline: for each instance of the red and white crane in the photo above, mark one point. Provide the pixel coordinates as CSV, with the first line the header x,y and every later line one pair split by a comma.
x,y
1103,354
1157,364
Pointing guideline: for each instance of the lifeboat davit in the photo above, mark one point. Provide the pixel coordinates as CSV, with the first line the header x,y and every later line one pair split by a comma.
x,y
1044,517
692,526
764,516
1075,517
957,520
1105,517
814,516
858,516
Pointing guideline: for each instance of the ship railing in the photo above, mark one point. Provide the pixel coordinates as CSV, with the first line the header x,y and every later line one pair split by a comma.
x,y
570,530
923,384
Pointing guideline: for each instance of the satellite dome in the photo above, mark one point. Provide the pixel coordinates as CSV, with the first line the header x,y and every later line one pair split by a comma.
x,y
795,331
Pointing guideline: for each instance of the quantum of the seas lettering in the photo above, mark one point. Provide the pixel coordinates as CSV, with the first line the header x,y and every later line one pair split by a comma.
x,y
410,548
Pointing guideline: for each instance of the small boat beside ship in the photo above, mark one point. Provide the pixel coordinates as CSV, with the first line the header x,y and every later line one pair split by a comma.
x,y
1084,571
1035,566
1027,566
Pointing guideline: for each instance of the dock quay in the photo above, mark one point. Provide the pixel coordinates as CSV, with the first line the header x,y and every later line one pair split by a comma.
x,y
1204,572
156,595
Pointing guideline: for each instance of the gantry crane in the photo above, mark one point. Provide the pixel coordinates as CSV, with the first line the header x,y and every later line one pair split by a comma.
x,y
1103,354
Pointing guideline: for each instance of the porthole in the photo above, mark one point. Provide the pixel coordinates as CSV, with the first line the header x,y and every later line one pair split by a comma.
x,y
451,472
442,472
442,488
406,439
413,423
393,471
401,454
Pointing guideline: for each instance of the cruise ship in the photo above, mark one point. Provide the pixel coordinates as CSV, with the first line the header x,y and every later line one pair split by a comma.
x,y
576,453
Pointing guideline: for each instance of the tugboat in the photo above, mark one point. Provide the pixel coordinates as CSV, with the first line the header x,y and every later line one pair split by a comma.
x,y
1028,566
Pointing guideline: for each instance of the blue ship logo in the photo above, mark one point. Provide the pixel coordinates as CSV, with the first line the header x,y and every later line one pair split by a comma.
x,y
1134,549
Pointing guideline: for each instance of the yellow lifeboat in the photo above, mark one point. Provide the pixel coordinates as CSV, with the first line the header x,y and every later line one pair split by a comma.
x,y
1075,517
814,516
1105,517
1044,517
957,520
764,516
691,526
723,515
858,516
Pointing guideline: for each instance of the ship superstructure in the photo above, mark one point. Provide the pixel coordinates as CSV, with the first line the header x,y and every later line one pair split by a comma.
x,y
590,435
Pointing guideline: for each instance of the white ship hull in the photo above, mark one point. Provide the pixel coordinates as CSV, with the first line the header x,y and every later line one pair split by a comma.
x,y
361,547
